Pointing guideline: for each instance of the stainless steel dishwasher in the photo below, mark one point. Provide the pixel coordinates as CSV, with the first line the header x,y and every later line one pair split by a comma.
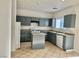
x,y
59,41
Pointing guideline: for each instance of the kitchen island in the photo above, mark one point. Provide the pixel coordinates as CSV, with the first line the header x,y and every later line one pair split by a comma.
x,y
38,40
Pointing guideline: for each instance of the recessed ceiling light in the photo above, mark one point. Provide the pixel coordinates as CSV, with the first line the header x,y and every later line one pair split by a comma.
x,y
54,8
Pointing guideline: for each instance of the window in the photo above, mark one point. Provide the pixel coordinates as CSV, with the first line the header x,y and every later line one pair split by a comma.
x,y
58,22
54,22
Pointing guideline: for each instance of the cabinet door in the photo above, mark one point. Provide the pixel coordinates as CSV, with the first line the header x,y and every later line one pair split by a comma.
x,y
18,19
73,21
25,36
25,21
49,37
50,22
52,37
43,22
28,21
68,42
69,21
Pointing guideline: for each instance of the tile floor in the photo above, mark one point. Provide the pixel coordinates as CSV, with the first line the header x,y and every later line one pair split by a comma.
x,y
50,51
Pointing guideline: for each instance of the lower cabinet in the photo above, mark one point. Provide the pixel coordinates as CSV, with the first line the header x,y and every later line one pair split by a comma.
x,y
51,37
25,36
68,42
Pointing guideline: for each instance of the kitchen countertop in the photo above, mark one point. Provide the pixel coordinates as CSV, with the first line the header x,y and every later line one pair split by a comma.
x,y
61,33
33,33
65,31
69,31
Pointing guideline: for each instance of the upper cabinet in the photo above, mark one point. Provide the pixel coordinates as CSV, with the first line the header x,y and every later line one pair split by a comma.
x,y
27,20
69,21
50,22
24,20
43,22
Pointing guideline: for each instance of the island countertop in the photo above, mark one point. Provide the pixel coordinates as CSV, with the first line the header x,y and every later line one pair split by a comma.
x,y
33,33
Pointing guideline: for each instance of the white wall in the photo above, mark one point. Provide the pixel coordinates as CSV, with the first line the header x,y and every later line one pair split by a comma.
x,y
35,27
13,25
76,46
22,12
70,10
5,27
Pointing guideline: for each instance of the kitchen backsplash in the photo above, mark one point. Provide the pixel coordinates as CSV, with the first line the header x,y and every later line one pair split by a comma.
x,y
68,30
36,27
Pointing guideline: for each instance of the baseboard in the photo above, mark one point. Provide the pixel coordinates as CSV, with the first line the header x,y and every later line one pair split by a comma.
x,y
70,50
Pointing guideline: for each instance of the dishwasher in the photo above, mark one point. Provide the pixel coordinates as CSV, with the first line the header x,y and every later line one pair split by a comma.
x,y
59,41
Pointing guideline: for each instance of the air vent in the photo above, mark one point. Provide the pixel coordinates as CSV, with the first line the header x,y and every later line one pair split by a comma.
x,y
54,8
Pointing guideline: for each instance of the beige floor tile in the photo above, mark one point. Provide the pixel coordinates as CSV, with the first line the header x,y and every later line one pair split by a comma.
x,y
50,51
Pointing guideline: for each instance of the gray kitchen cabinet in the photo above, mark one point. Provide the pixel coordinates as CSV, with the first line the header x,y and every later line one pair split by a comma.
x,y
24,20
43,22
50,22
25,36
54,22
51,37
69,21
68,42
35,19
18,19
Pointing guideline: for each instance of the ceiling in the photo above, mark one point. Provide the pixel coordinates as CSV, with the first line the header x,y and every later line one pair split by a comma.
x,y
45,5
